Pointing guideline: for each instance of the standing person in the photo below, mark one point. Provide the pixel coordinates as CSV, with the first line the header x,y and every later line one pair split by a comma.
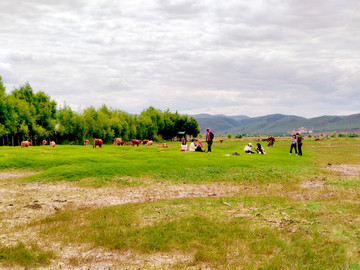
x,y
293,144
299,143
209,138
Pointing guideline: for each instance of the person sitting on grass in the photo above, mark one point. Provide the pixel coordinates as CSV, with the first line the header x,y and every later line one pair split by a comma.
x,y
259,149
199,147
192,146
183,145
247,149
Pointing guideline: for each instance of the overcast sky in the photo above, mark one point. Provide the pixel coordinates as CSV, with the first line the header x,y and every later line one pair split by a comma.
x,y
233,57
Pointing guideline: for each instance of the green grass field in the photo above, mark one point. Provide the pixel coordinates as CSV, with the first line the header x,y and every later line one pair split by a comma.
x,y
74,163
292,213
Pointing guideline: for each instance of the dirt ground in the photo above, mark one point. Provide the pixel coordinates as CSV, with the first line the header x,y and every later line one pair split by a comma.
x,y
27,202
345,170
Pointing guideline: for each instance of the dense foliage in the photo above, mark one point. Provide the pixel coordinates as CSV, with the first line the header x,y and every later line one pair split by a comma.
x,y
28,115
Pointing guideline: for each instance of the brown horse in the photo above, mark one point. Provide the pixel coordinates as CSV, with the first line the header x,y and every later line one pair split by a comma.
x,y
271,141
137,142
52,144
25,143
144,142
117,141
86,142
44,142
98,142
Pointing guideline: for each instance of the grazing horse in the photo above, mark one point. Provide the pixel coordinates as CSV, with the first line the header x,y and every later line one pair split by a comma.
x,y
149,143
25,143
144,142
98,142
52,144
86,142
271,141
137,142
44,142
117,141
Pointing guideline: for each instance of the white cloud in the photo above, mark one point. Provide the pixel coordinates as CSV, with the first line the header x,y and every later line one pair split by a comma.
x,y
231,57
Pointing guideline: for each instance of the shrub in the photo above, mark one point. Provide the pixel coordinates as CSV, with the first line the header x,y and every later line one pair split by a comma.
x,y
229,135
158,138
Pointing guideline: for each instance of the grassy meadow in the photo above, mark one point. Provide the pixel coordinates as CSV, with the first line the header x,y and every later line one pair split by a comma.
x,y
291,213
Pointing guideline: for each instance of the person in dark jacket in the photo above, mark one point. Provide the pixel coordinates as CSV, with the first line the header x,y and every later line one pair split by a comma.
x,y
299,144
209,138
199,147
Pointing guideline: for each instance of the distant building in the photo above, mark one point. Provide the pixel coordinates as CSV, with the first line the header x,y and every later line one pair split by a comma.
x,y
301,130
181,135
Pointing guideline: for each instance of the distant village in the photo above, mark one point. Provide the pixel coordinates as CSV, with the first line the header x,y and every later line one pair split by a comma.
x,y
301,130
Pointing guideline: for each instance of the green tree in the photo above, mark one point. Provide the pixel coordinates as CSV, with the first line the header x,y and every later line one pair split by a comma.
x,y
192,127
3,129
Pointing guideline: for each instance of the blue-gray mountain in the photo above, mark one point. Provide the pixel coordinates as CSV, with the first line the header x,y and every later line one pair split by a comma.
x,y
276,124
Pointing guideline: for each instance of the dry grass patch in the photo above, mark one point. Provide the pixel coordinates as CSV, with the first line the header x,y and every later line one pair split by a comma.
x,y
350,171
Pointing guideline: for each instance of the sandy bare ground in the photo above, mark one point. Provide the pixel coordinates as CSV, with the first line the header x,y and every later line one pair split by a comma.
x,y
28,202
24,203
345,170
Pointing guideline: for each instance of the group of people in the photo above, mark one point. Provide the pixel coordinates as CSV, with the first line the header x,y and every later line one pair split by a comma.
x,y
296,144
197,146
259,149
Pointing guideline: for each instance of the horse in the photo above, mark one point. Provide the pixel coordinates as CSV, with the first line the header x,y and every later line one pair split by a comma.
x,y
98,142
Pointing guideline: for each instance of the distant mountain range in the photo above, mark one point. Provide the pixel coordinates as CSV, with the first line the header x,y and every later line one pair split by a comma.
x,y
275,124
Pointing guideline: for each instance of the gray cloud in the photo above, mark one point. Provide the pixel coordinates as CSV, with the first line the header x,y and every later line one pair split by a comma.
x,y
232,57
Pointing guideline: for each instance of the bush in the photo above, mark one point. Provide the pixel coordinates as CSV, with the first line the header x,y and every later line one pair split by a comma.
x,y
239,136
353,135
158,138
341,135
229,135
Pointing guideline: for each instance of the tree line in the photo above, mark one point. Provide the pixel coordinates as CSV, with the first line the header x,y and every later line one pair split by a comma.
x,y
25,114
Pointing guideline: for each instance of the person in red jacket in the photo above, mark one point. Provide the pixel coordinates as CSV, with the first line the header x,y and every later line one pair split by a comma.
x,y
209,138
